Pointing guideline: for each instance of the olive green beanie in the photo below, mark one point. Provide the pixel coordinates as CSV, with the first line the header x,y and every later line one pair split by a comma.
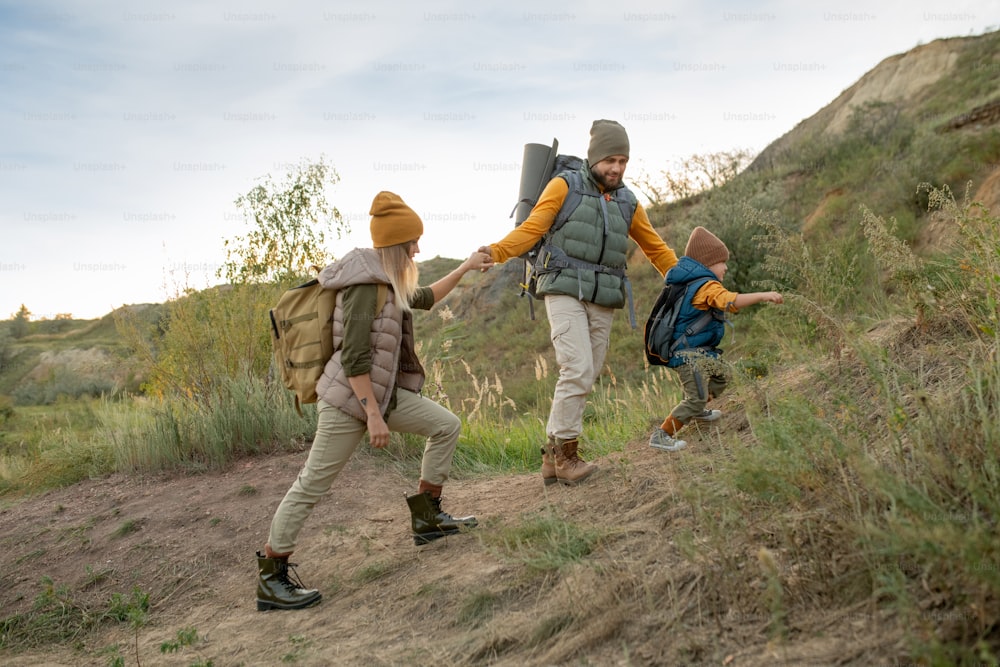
x,y
607,138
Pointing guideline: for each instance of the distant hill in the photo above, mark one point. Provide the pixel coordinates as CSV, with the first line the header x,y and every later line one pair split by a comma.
x,y
931,114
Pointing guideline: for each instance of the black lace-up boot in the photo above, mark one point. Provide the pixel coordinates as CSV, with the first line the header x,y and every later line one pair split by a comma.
x,y
279,587
429,521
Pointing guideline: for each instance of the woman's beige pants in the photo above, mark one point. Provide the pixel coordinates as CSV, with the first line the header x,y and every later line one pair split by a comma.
x,y
338,435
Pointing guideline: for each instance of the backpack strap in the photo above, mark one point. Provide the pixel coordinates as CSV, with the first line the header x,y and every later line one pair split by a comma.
x,y
552,258
573,198
692,329
627,203
624,197
702,321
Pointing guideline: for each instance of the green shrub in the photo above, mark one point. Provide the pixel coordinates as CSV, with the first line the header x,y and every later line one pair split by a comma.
x,y
244,417
64,383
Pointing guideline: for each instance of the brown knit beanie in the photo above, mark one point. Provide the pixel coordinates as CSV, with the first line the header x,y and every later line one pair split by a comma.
x,y
705,247
393,222
607,138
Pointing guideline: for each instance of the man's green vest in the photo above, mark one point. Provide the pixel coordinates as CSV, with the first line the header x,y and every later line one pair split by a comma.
x,y
586,256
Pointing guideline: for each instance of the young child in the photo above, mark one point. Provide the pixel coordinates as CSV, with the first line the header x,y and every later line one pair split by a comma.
x,y
705,256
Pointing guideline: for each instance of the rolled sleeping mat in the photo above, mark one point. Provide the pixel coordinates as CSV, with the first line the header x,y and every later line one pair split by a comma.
x,y
536,170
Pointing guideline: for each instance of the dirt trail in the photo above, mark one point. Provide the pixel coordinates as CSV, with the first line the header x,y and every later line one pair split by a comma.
x,y
189,541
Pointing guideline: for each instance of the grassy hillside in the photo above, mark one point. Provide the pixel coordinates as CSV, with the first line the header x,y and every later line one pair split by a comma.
x,y
861,157
813,181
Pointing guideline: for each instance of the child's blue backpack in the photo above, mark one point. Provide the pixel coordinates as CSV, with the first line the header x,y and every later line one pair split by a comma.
x,y
658,335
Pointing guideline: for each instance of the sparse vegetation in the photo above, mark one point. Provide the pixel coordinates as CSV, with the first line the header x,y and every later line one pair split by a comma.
x,y
543,543
185,638
373,572
58,617
126,527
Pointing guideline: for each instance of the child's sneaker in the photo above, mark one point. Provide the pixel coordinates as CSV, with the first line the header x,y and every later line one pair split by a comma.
x,y
708,415
661,440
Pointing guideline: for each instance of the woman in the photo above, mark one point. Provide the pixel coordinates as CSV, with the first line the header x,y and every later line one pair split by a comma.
x,y
372,383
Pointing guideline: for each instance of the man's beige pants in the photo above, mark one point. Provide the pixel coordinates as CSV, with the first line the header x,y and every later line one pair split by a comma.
x,y
338,435
580,333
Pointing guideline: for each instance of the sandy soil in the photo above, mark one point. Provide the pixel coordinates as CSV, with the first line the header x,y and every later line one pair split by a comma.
x,y
192,541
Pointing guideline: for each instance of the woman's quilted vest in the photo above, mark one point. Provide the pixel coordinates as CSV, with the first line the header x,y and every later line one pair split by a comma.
x,y
394,361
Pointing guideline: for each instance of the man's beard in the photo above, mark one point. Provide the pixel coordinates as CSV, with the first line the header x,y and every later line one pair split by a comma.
x,y
604,181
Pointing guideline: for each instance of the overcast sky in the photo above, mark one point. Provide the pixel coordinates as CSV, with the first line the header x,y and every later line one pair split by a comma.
x,y
128,129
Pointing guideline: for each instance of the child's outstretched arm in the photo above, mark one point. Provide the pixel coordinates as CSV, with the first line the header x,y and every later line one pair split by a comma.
x,y
753,298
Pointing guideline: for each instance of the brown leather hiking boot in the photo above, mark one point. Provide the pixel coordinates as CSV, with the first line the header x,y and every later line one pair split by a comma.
x,y
570,468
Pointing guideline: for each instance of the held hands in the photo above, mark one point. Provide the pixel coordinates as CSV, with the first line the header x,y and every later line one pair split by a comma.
x,y
486,250
481,260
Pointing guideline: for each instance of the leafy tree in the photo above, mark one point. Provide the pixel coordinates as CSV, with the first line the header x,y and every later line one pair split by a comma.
x,y
211,336
6,347
207,337
289,220
20,322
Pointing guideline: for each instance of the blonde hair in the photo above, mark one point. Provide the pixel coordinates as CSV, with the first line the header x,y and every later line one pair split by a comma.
x,y
402,272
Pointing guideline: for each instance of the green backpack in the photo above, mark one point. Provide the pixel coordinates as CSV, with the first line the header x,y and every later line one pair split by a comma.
x,y
302,336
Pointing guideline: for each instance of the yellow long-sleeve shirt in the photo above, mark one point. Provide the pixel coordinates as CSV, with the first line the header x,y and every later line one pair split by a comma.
x,y
713,295
538,222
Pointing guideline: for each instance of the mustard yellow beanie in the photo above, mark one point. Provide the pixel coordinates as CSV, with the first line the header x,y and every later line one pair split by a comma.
x,y
393,222
705,247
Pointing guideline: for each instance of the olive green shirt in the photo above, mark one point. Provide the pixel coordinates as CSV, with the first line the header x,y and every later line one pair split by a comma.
x,y
358,305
